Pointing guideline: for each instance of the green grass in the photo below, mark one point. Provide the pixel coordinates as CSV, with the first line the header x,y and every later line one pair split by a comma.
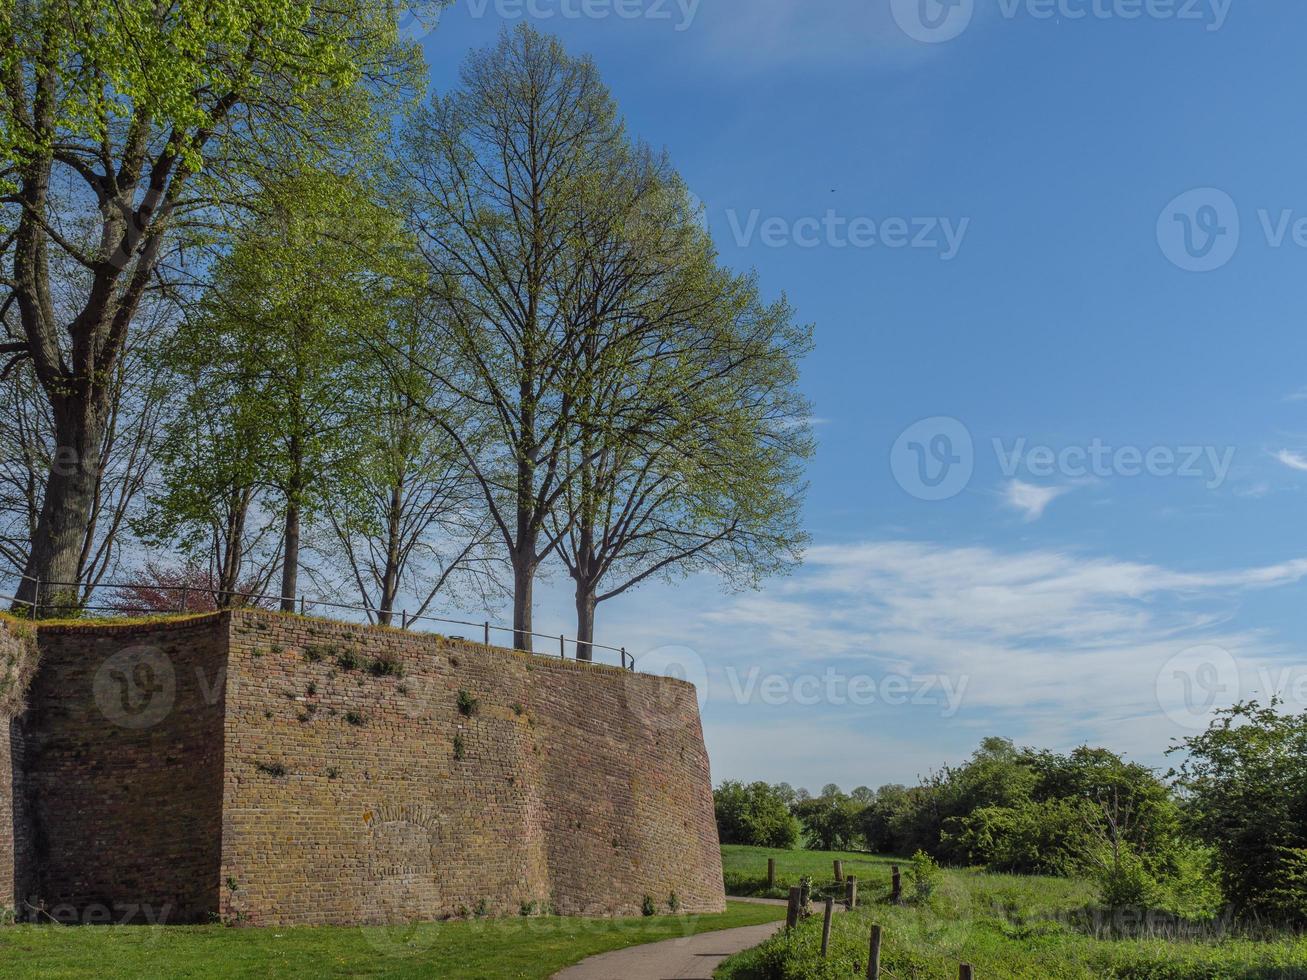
x,y
492,949
1006,926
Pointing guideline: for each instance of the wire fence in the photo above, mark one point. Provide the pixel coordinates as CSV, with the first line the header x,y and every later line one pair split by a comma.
x,y
190,598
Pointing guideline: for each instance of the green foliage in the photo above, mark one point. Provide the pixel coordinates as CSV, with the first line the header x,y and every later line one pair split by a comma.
x,y
647,906
925,874
754,814
1016,928
460,747
830,821
1244,782
467,704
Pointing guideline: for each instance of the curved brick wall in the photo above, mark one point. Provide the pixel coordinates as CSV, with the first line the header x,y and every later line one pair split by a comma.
x,y
334,777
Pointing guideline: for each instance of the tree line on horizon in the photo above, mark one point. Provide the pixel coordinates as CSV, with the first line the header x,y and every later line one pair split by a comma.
x,y
1226,828
271,312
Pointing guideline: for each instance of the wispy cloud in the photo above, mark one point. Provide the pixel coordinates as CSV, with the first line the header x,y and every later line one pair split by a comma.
x,y
1293,460
1057,648
1031,500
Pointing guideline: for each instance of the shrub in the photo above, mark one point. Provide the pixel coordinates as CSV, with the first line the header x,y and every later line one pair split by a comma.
x,y
925,875
647,907
467,704
756,814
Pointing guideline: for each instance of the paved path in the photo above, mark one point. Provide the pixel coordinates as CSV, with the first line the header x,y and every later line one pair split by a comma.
x,y
692,958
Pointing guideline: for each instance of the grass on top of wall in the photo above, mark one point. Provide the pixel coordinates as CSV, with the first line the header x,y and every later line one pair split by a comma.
x,y
516,948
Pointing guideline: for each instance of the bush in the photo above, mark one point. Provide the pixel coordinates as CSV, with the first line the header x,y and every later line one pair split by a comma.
x,y
1245,780
925,875
756,814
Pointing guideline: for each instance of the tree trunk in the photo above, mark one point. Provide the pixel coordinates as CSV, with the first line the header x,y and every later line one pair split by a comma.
x,y
390,575
585,622
66,507
290,558
233,551
524,570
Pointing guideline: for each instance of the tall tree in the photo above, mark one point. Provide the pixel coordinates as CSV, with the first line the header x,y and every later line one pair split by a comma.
x,y
688,435
418,522
493,166
286,326
124,120
209,502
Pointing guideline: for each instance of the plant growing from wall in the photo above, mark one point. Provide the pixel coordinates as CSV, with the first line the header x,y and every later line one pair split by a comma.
x,y
467,704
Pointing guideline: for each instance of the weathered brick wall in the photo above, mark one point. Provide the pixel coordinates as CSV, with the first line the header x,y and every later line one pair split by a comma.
x,y
340,774
17,662
124,770
358,790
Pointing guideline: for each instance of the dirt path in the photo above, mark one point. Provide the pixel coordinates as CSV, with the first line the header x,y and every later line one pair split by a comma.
x,y
691,958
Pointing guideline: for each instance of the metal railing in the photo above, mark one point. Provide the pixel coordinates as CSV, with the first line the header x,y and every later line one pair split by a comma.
x,y
303,604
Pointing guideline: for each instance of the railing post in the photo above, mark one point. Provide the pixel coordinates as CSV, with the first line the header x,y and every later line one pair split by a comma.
x,y
403,619
562,646
36,600
182,604
487,632
302,605
623,658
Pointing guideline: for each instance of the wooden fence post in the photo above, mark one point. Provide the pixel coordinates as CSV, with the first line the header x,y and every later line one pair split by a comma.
x,y
873,961
896,894
792,913
839,871
965,972
851,892
771,872
825,927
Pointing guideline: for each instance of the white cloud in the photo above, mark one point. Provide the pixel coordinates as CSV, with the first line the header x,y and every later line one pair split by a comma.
x,y
1029,499
1057,649
1293,460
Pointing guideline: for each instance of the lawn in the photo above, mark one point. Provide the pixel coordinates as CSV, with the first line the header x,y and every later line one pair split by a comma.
x,y
1006,926
492,949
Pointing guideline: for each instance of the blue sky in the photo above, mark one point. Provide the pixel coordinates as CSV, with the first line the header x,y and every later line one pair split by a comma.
x,y
1131,552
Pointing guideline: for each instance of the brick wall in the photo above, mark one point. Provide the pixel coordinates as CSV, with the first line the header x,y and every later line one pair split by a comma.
x,y
17,661
124,770
341,774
